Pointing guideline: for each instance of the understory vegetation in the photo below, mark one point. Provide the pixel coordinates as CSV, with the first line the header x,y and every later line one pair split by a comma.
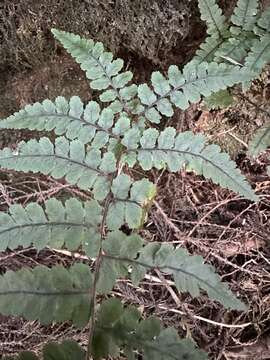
x,y
113,151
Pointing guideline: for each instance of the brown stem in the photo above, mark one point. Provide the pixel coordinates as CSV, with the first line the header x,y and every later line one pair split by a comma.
x,y
93,294
108,200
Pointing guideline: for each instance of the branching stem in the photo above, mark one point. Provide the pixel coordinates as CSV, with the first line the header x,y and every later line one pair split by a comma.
x,y
93,294
96,277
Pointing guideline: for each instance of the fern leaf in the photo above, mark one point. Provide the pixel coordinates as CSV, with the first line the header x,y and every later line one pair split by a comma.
x,y
23,355
183,88
259,55
100,68
189,272
219,100
263,23
130,209
211,13
168,346
67,350
244,14
122,125
55,294
208,49
86,169
260,141
119,327
168,149
71,225
235,50
117,244
69,118
232,50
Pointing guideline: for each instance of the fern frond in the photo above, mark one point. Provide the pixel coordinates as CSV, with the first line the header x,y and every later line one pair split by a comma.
x,y
119,327
245,13
86,169
100,68
260,141
23,355
259,55
211,13
67,350
263,23
130,202
167,346
234,50
55,294
208,49
183,88
166,148
66,117
189,272
71,225
117,244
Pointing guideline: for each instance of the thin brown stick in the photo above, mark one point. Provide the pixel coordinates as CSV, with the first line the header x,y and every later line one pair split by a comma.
x,y
93,292
169,288
257,107
188,238
221,203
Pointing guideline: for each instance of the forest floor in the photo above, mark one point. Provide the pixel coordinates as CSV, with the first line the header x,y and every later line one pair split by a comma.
x,y
230,233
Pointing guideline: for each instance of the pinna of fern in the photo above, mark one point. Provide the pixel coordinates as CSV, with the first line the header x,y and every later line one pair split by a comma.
x,y
229,40
242,39
245,41
260,141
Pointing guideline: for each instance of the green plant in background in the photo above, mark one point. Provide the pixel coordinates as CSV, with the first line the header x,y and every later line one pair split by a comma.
x,y
244,39
95,148
260,142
